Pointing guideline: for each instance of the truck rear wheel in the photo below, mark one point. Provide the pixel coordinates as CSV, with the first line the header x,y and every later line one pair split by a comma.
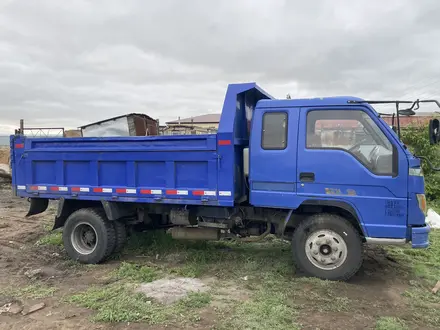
x,y
327,246
88,236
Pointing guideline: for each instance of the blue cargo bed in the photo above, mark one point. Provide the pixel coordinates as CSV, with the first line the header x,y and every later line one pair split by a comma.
x,y
159,169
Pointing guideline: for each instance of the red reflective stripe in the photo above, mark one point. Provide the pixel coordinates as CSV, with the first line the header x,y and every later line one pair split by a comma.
x,y
19,146
120,191
33,188
171,192
224,142
76,189
97,190
54,188
146,191
198,192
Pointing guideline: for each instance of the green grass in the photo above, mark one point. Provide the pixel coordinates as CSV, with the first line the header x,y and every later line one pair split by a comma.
x,y
33,291
120,303
274,298
37,291
390,323
222,259
435,206
321,295
135,272
267,266
422,263
266,310
424,270
195,300
52,238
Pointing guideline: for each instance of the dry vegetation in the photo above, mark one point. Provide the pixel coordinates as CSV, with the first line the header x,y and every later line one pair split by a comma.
x,y
4,155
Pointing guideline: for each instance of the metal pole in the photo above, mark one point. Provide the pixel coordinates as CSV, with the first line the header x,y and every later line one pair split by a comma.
x,y
22,126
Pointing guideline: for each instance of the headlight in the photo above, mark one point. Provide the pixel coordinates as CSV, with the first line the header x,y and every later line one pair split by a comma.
x,y
422,203
416,171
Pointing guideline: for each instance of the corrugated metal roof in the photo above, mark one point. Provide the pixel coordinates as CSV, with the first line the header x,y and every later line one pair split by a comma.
x,y
410,120
117,117
211,118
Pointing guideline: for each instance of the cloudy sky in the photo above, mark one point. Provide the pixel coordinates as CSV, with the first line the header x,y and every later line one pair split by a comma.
x,y
67,63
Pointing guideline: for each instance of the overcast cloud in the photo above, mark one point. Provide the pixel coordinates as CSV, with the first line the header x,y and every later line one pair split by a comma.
x,y
67,63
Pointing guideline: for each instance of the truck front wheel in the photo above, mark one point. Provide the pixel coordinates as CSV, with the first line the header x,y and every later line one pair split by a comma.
x,y
327,246
88,236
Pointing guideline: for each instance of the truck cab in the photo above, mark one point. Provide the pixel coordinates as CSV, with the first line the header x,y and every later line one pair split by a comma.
x,y
328,156
332,151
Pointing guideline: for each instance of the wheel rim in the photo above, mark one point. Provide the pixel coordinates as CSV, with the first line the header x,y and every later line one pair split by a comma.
x,y
84,238
326,249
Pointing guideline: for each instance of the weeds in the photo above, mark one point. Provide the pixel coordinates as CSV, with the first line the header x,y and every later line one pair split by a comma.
x,y
390,323
53,238
119,303
267,310
136,273
423,262
274,296
225,260
425,271
195,300
33,291
37,291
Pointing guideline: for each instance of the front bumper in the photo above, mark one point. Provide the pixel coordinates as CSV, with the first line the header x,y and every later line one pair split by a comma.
x,y
420,237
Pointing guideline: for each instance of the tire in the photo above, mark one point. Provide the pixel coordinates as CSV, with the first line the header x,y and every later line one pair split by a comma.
x,y
328,247
88,236
121,235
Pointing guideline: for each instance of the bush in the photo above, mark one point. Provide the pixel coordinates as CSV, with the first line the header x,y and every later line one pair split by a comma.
x,y
417,140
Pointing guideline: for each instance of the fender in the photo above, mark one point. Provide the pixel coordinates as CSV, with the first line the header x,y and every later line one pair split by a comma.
x,y
118,210
64,210
113,210
340,205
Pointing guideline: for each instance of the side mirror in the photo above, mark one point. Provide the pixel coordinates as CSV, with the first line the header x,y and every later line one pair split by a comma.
x,y
434,131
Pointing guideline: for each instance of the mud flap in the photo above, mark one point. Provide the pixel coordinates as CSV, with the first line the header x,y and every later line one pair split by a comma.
x,y
37,206
64,210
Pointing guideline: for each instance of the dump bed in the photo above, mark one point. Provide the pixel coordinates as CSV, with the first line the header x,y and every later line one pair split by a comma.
x,y
168,169
185,169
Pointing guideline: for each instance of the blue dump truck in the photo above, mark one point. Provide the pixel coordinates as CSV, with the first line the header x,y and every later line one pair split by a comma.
x,y
329,174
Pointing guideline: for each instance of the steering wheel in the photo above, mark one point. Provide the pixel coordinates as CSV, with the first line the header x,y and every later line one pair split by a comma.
x,y
357,145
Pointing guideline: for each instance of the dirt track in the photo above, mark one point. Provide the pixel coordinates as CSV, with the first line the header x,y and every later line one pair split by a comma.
x,y
376,291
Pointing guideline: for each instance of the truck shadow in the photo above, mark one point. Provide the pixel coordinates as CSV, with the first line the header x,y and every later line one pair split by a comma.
x,y
380,267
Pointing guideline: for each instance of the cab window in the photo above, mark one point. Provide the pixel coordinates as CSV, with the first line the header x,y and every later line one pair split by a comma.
x,y
352,131
274,135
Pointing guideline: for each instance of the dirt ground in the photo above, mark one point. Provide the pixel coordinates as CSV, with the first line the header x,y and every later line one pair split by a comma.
x,y
4,155
378,291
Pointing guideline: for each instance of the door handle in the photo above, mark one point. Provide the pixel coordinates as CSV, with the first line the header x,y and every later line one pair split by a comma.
x,y
307,177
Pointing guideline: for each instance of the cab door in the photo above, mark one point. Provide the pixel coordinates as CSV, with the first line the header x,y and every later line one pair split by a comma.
x,y
272,157
346,154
